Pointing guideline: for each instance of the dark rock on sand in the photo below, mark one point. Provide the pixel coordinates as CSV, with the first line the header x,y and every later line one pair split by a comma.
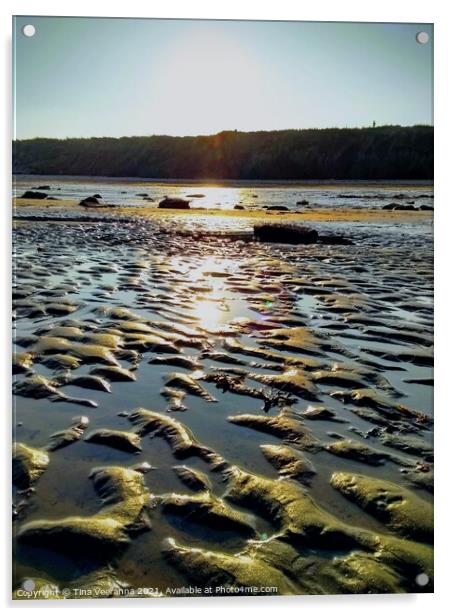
x,y
34,194
89,201
239,207
285,234
334,240
174,203
277,208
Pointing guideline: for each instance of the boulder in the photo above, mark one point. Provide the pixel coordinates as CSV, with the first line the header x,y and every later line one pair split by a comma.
x,y
89,201
175,203
33,194
277,208
285,234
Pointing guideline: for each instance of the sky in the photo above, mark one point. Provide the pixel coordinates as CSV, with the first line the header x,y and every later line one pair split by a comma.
x,y
84,77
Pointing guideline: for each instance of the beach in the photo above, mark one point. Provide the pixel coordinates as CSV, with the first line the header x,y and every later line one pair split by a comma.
x,y
196,407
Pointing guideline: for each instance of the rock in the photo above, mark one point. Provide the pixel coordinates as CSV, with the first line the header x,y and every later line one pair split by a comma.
x,y
195,196
32,194
174,203
125,441
277,208
239,207
289,463
303,202
285,234
426,208
334,240
389,206
88,201
28,465
399,509
96,196
142,195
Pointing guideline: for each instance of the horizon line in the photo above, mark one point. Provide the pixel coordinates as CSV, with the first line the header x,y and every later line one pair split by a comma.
x,y
276,130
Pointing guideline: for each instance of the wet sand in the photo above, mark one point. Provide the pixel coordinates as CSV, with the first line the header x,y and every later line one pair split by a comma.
x,y
331,215
196,409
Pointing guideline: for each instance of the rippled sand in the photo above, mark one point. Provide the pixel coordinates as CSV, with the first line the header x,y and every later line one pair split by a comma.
x,y
192,408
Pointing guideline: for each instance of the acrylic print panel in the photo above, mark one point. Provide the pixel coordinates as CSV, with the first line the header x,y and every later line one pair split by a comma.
x,y
223,308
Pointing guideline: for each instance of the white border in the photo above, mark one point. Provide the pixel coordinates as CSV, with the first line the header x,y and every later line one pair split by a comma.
x,y
323,10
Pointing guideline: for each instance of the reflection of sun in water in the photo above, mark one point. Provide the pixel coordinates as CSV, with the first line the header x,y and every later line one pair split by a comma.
x,y
209,314
211,307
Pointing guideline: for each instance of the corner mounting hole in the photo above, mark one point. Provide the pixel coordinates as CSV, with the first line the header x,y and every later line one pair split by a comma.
x,y
422,38
28,30
422,579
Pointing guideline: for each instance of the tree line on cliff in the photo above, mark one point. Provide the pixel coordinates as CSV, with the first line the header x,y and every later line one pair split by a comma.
x,y
386,152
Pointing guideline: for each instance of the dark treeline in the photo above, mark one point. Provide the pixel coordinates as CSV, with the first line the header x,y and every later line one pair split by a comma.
x,y
387,152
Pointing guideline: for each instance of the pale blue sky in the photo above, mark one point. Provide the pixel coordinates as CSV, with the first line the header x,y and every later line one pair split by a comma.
x,y
81,77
